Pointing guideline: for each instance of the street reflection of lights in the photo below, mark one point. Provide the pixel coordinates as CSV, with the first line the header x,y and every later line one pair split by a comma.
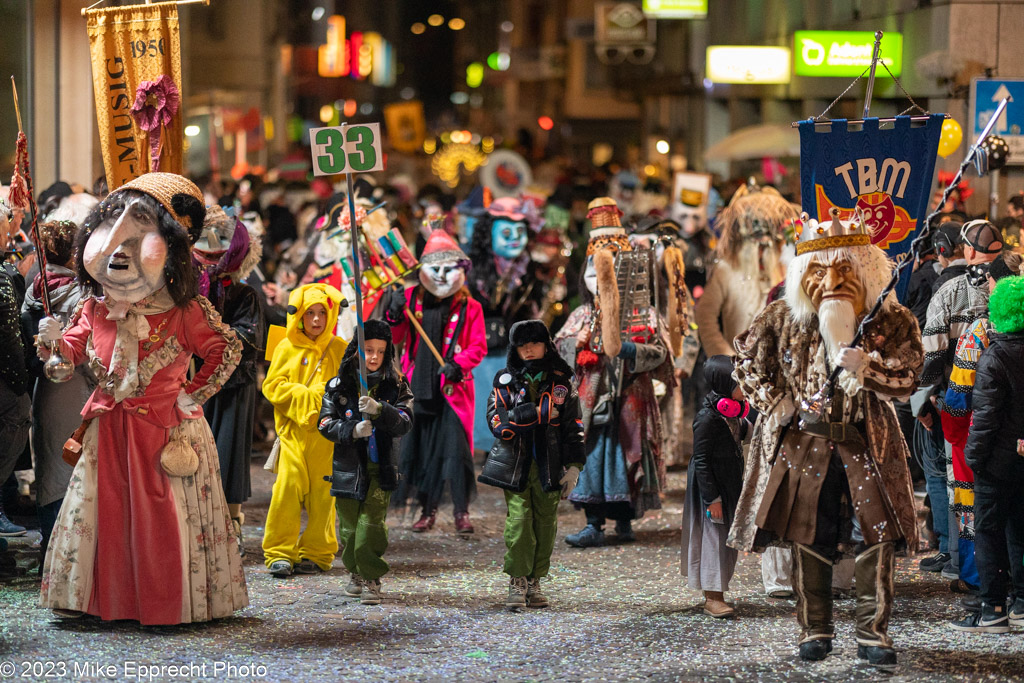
x,y
407,93
326,113
435,20
191,131
430,145
351,106
366,108
476,100
418,28
662,146
459,97
318,13
457,24
507,26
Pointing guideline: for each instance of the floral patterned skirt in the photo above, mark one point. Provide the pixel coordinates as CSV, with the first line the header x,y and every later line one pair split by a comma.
x,y
213,583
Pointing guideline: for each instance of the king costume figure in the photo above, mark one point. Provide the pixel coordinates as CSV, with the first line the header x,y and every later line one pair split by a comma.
x,y
143,533
833,483
437,453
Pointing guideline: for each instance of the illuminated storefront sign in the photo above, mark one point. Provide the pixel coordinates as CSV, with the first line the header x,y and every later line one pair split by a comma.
x,y
747,64
844,53
676,9
361,56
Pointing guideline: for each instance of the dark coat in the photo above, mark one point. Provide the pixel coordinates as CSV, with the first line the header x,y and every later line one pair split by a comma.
x,y
919,292
716,468
339,416
998,421
242,311
521,437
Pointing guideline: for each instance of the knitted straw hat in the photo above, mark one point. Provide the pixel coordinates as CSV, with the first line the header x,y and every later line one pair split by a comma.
x,y
177,194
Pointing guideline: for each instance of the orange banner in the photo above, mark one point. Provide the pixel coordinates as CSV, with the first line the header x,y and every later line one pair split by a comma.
x,y
136,73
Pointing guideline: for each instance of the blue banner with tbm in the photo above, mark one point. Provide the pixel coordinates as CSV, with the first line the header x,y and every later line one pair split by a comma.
x,y
882,175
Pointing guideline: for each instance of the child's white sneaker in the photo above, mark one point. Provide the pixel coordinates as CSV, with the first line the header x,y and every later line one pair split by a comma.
x,y
534,598
517,587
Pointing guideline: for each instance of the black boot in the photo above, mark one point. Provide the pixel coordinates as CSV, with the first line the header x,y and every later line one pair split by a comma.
x,y
812,583
815,650
875,588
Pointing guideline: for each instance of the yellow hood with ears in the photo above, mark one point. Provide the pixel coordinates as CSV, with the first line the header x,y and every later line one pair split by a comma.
x,y
300,300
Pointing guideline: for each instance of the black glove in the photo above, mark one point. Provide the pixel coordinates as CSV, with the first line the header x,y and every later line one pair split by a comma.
x,y
524,414
396,306
452,372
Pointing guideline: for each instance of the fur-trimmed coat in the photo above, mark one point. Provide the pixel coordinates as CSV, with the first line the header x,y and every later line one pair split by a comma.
x,y
779,357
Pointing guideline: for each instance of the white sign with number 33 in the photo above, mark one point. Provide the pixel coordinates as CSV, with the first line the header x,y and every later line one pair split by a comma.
x,y
343,149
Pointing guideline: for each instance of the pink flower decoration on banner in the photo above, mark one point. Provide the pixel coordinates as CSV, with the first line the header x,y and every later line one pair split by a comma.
x,y
345,222
156,103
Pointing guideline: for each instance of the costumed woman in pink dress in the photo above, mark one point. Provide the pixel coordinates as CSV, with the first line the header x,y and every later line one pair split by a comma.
x,y
144,533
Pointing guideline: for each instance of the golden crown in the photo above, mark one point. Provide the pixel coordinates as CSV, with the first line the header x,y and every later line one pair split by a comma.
x,y
814,236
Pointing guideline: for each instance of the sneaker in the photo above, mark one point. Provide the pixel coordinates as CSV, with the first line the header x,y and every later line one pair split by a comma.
x,y
9,528
624,531
815,650
935,563
877,656
517,587
971,603
781,594
280,568
588,537
949,571
307,567
988,620
355,586
462,523
1016,614
534,598
371,593
425,522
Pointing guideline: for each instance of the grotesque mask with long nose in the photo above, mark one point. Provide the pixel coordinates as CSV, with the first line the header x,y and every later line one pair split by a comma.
x,y
126,253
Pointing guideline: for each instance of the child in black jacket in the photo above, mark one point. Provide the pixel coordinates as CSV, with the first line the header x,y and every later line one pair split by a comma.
x,y
534,412
367,432
713,482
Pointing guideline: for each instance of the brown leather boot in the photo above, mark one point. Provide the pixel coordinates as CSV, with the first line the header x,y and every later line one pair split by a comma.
x,y
812,583
875,589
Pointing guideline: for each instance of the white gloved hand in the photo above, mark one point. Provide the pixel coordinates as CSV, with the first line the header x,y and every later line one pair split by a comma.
x,y
363,430
569,480
186,404
784,411
369,406
49,330
851,358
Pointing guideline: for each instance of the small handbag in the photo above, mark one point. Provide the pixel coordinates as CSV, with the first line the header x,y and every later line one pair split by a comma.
x,y
73,446
275,451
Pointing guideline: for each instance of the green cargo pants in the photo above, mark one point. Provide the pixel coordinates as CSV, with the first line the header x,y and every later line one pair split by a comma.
x,y
364,530
530,529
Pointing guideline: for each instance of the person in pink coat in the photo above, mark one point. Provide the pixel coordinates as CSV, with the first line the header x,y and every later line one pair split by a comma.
x,y
438,453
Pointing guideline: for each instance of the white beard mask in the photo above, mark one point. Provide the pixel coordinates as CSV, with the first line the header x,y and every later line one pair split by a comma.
x,y
443,279
837,323
127,255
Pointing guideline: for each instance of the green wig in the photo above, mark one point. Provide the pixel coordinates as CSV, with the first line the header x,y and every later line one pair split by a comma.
x,y
1006,305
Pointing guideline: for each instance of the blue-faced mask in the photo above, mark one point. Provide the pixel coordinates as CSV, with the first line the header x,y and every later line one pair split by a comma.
x,y
508,238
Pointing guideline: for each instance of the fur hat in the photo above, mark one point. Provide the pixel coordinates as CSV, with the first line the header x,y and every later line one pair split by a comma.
x,y
529,332
1006,305
377,329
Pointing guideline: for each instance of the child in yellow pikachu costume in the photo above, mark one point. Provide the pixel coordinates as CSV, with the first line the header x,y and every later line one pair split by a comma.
x,y
303,362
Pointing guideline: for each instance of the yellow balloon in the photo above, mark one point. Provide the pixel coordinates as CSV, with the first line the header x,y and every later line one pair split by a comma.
x,y
951,137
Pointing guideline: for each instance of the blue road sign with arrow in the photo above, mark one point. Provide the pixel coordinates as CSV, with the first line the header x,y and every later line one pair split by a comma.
x,y
986,94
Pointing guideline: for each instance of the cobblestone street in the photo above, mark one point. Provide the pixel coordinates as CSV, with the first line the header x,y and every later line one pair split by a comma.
x,y
617,613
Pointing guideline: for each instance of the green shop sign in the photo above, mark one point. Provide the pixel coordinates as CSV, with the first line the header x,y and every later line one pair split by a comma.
x,y
676,9
844,53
